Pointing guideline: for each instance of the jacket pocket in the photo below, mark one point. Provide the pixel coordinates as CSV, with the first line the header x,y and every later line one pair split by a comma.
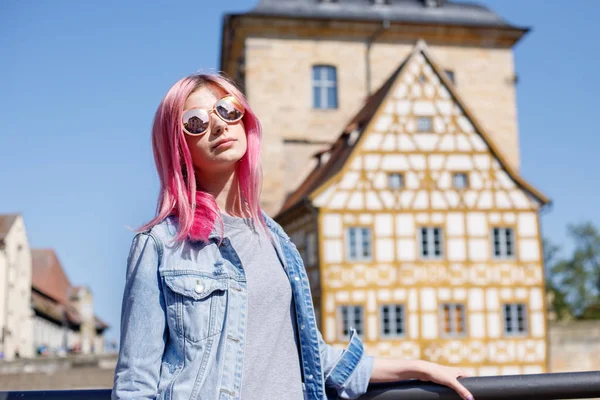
x,y
198,304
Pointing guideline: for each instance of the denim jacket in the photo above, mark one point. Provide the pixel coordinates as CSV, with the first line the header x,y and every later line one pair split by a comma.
x,y
183,322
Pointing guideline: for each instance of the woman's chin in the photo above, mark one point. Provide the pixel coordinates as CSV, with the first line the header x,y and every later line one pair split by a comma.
x,y
230,156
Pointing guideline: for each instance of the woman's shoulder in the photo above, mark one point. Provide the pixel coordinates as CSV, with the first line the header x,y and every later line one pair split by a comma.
x,y
164,230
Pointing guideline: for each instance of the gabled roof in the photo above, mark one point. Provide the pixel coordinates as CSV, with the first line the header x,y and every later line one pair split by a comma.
x,y
341,150
6,222
48,275
52,290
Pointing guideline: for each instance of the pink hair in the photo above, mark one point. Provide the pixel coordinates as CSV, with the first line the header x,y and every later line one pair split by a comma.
x,y
196,210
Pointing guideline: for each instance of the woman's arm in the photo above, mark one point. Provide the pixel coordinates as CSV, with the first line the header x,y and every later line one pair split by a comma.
x,y
346,370
143,324
394,369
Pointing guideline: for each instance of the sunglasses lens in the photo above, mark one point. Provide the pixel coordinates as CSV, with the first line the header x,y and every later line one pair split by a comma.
x,y
229,109
196,121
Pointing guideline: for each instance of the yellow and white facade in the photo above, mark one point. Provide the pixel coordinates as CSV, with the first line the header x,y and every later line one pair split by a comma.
x,y
416,229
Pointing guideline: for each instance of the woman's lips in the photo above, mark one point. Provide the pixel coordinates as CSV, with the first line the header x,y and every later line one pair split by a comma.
x,y
224,144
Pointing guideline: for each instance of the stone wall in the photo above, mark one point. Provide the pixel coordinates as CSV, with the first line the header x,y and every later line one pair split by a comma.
x,y
72,372
574,346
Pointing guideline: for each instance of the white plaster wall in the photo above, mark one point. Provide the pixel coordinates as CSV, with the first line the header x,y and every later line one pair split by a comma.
x,y
17,262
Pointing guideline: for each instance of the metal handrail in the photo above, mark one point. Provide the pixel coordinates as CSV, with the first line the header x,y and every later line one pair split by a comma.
x,y
570,385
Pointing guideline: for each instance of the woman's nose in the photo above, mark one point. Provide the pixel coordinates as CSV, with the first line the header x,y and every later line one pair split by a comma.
x,y
218,126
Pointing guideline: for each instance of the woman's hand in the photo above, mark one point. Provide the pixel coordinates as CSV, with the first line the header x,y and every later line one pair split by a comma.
x,y
447,376
395,369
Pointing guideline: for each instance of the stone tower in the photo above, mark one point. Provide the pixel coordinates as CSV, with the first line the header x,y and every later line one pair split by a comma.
x,y
307,66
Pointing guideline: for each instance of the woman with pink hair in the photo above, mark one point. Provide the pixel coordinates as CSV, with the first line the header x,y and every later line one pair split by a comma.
x,y
217,303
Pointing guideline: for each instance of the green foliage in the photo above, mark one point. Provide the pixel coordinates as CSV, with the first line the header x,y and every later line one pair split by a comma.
x,y
574,282
556,296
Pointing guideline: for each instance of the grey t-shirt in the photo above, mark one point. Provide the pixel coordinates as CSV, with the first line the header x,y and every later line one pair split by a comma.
x,y
271,360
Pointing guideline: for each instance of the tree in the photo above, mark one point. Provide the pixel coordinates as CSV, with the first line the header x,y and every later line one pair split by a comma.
x,y
578,277
556,296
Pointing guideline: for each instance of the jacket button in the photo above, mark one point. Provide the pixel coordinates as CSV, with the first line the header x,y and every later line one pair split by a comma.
x,y
308,376
199,288
296,278
302,327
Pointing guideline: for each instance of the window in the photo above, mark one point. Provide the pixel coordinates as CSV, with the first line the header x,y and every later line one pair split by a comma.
x,y
352,317
422,78
460,180
453,319
450,75
431,243
384,2
324,87
311,248
424,124
359,243
392,320
515,319
396,181
504,242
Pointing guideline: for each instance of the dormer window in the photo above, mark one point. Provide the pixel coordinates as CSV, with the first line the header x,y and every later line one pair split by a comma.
x,y
450,75
322,157
382,2
433,3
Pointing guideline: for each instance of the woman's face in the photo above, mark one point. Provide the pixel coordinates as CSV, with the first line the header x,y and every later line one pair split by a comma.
x,y
223,144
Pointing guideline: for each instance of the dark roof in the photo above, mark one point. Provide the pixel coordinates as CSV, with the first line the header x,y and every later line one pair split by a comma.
x,y
6,222
342,149
48,275
45,305
416,11
52,290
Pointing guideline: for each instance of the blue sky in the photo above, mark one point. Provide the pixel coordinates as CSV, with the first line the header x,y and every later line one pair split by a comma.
x,y
82,79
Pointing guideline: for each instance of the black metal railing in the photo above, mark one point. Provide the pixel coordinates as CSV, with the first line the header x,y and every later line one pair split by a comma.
x,y
572,385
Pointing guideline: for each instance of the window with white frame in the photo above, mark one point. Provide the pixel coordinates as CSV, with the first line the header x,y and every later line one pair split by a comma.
x,y
395,180
515,319
503,242
359,243
453,319
431,242
460,180
425,124
311,248
324,87
392,320
352,317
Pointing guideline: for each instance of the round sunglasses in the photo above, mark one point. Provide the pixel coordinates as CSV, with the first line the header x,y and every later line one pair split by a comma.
x,y
196,121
